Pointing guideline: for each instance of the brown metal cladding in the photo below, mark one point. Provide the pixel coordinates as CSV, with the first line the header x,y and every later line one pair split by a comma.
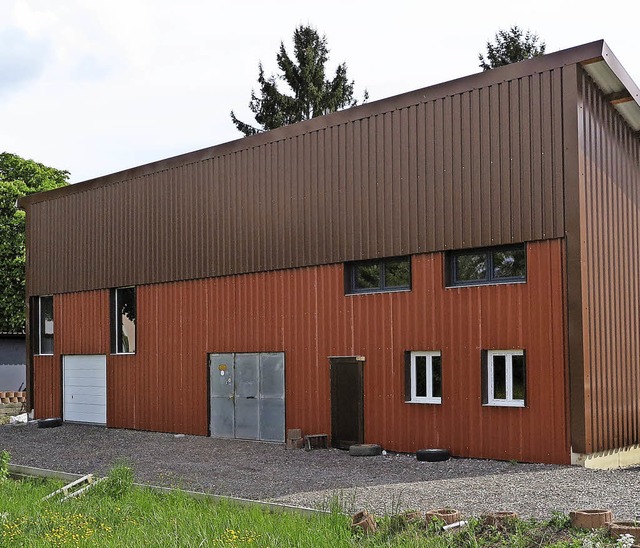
x,y
305,313
610,183
418,173
574,239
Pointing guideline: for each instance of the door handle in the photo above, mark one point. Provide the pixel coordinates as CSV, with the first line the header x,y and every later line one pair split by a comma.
x,y
251,397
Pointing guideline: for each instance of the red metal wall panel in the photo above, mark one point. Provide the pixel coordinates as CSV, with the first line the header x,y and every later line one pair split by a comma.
x,y
47,378
82,322
610,221
305,313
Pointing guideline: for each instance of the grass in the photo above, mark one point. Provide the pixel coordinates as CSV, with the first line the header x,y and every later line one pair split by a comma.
x,y
114,513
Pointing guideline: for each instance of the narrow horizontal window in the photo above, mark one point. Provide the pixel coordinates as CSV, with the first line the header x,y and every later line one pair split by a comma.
x,y
504,264
397,273
366,277
509,264
375,276
505,376
424,377
470,267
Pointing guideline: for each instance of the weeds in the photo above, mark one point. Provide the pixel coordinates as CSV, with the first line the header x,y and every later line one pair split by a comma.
x,y
478,533
341,502
559,520
116,513
117,484
625,541
4,465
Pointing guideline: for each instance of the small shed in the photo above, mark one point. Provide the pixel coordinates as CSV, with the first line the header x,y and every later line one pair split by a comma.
x,y
13,359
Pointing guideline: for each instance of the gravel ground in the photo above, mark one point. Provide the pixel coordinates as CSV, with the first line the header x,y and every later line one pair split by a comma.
x,y
269,472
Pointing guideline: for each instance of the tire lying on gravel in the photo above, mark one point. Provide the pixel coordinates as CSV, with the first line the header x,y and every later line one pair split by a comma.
x,y
49,423
432,455
365,450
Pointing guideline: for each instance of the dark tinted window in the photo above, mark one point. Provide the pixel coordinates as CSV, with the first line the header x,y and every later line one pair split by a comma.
x,y
366,277
421,376
397,273
470,267
436,370
509,263
373,276
499,378
488,266
518,377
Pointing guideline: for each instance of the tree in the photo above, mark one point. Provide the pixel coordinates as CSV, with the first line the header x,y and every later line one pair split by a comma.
x,y
313,94
511,46
18,177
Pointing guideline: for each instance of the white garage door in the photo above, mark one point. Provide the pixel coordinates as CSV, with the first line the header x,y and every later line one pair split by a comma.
x,y
85,389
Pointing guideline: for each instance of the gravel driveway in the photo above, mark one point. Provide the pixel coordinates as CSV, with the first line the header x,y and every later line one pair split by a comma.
x,y
269,472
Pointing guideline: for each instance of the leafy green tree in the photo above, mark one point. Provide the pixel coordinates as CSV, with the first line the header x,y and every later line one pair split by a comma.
x,y
18,177
312,93
511,46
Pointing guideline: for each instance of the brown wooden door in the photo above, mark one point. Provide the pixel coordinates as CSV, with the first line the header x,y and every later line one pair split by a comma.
x,y
347,401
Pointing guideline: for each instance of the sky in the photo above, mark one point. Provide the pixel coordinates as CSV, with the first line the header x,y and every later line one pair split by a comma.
x,y
95,87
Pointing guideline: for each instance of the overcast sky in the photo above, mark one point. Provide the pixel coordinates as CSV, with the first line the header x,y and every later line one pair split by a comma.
x,y
95,87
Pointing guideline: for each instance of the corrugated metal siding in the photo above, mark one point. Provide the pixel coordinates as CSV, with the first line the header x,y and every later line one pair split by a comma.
x,y
47,378
304,313
610,175
474,168
82,322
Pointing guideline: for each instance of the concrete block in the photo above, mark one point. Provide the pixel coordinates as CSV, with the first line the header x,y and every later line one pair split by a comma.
x,y
295,443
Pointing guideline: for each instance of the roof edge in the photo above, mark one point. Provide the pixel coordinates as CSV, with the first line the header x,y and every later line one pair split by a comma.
x,y
620,72
574,55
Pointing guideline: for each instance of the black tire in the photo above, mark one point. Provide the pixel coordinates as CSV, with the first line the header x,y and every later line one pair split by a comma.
x,y
432,455
365,450
49,423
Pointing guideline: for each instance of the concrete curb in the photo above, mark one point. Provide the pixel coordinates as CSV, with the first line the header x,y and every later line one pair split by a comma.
x,y
20,471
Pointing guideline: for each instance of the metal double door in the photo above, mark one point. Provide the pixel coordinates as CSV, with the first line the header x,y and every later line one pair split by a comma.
x,y
247,396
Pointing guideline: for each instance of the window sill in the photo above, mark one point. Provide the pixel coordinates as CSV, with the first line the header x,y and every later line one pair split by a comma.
x,y
505,403
377,292
123,353
485,284
38,355
425,401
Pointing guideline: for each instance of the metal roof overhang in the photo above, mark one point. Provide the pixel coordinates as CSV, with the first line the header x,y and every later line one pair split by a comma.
x,y
616,84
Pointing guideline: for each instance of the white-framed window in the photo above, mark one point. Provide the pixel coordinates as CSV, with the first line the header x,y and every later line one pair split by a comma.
x,y
424,377
123,320
505,378
43,332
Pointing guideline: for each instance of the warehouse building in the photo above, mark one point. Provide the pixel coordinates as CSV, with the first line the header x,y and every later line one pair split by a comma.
x,y
457,266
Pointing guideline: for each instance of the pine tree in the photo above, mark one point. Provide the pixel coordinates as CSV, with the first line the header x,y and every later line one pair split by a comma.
x,y
312,94
511,46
